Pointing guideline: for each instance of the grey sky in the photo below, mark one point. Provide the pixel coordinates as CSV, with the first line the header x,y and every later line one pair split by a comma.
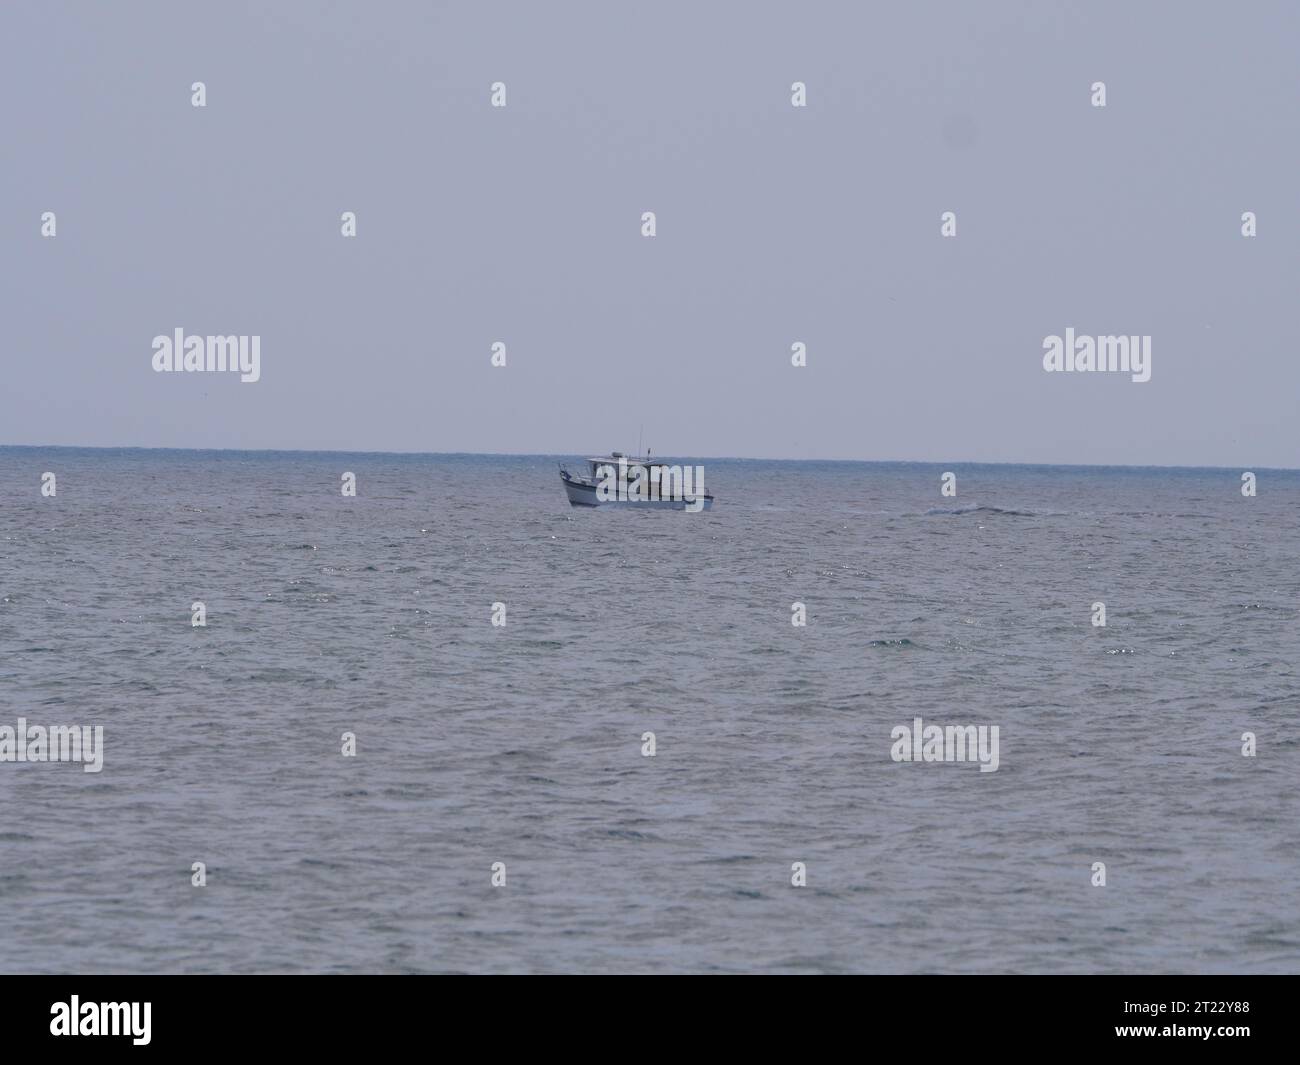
x,y
775,225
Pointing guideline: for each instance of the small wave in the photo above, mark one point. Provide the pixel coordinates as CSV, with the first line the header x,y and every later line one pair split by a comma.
x,y
631,834
904,642
980,508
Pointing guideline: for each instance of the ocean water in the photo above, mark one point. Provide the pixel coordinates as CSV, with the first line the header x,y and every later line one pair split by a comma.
x,y
522,744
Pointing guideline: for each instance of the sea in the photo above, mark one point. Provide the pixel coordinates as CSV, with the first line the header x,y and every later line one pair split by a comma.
x,y
645,765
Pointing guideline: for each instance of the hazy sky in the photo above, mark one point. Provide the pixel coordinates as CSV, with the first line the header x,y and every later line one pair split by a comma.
x,y
775,225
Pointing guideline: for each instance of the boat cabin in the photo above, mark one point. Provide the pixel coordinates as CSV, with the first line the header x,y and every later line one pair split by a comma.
x,y
612,460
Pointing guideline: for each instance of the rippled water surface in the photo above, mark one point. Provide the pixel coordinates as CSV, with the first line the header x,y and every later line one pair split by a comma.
x,y
478,744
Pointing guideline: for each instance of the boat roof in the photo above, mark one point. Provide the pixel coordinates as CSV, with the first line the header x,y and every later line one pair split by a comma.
x,y
612,460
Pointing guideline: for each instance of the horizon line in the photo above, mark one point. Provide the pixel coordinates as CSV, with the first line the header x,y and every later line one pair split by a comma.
x,y
566,454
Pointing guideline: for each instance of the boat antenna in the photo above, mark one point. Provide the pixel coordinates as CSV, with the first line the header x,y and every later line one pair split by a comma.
x,y
638,439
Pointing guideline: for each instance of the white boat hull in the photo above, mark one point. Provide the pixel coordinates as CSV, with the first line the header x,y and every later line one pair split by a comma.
x,y
583,494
